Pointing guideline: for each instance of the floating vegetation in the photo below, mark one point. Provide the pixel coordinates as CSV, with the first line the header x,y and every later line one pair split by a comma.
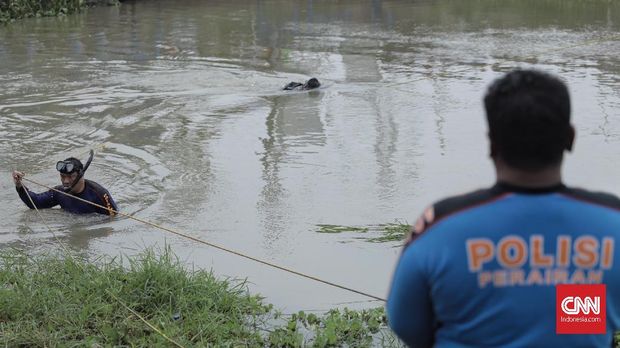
x,y
338,327
62,300
392,232
340,229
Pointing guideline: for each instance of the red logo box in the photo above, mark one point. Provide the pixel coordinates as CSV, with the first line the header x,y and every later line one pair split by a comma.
x,y
580,309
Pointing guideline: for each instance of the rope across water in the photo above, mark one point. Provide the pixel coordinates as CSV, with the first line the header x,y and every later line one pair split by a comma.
x,y
163,228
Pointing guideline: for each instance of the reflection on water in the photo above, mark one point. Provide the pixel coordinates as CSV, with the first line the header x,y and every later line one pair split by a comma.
x,y
49,227
186,98
80,239
294,121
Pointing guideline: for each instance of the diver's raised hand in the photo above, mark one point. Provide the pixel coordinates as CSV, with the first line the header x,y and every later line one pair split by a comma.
x,y
17,178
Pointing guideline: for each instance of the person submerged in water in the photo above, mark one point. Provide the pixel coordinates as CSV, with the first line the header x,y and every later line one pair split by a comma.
x,y
296,86
73,183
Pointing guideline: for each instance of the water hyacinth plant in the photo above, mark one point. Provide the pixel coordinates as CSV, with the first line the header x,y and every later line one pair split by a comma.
x,y
336,328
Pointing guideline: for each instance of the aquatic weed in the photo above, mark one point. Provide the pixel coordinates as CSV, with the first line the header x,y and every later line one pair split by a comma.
x,y
391,232
340,229
336,328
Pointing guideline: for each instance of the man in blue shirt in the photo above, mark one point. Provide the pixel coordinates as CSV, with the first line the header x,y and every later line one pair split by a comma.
x,y
71,175
481,269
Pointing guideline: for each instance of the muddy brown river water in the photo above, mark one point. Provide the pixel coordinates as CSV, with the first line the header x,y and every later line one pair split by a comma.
x,y
186,97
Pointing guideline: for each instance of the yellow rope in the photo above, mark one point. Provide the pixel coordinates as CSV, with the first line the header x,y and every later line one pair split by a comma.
x,y
43,219
213,245
83,270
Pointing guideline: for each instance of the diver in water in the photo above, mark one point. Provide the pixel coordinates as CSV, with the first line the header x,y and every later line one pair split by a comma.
x,y
73,183
296,86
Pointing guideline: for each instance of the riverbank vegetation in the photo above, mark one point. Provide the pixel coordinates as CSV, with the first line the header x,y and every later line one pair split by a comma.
x,y
11,10
151,300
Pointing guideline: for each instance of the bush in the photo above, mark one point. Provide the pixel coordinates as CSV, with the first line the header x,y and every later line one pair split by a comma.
x,y
17,9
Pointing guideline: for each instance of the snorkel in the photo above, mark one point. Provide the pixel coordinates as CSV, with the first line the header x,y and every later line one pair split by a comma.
x,y
80,171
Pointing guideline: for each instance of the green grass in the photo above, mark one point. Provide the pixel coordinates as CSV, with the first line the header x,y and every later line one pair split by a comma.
x,y
61,300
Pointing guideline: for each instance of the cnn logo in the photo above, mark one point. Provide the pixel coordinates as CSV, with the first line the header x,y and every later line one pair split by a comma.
x,y
580,309
577,305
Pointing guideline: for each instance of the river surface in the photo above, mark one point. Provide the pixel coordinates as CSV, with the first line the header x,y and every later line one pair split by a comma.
x,y
182,101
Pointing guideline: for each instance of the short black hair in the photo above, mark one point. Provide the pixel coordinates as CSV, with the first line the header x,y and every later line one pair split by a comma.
x,y
528,112
313,83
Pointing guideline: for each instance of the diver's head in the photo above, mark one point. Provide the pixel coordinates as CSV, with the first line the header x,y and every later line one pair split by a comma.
x,y
70,169
312,84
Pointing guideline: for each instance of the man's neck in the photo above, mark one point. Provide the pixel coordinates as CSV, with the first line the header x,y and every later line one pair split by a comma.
x,y
543,178
79,187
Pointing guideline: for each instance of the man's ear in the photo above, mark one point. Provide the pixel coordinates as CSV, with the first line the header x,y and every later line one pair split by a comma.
x,y
571,139
492,146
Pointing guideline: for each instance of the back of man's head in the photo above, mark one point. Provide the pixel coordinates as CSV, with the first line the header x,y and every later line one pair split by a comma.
x,y
528,113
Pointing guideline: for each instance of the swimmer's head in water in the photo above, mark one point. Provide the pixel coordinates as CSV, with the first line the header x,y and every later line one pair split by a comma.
x,y
312,84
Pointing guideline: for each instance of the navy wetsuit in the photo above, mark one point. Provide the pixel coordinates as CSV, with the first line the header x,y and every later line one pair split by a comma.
x,y
480,269
92,192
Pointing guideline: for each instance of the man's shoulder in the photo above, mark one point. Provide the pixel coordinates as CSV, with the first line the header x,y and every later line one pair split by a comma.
x,y
96,187
450,206
600,198
103,198
454,204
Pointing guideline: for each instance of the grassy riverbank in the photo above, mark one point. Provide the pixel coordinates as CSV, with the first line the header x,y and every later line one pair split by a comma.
x,y
11,10
64,301
50,301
